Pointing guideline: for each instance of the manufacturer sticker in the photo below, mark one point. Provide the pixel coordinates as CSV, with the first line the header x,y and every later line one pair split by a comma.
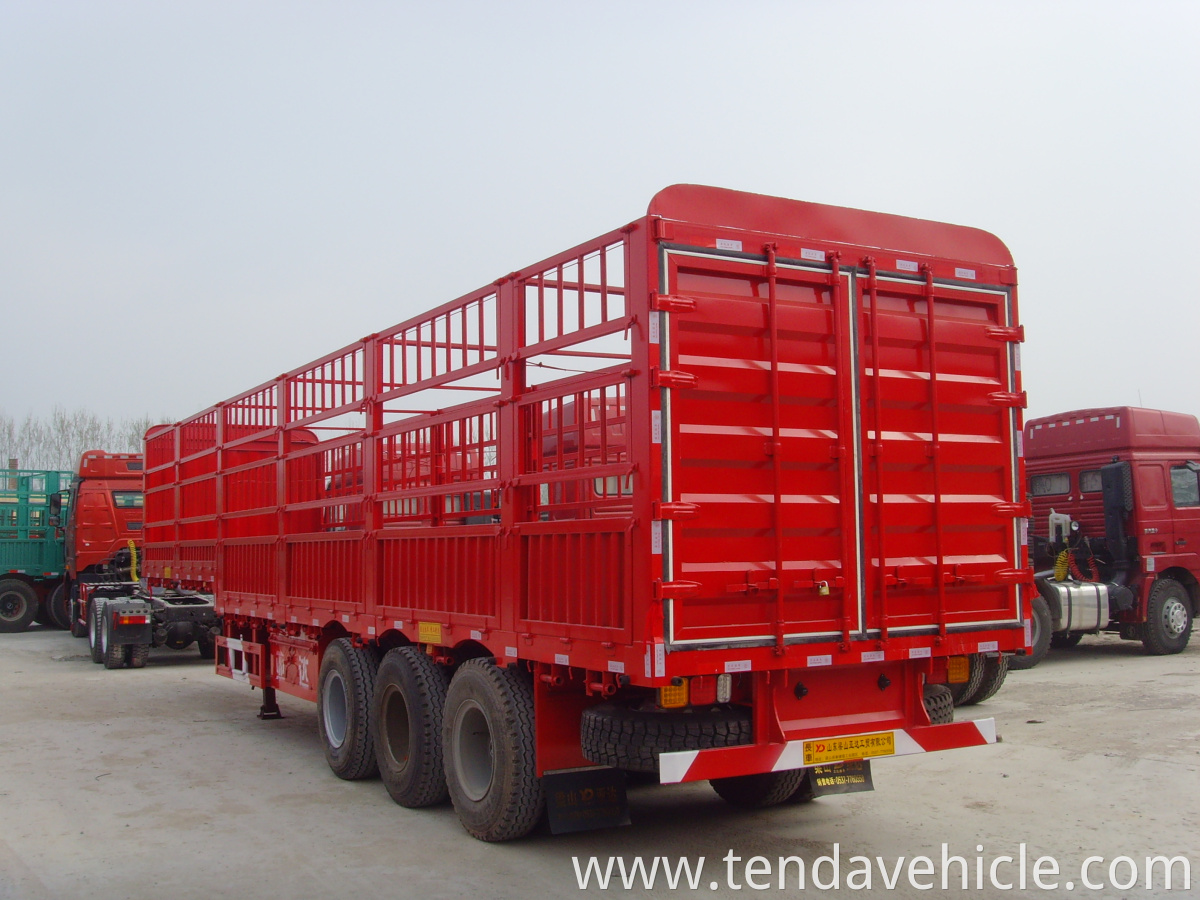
x,y
656,536
660,661
823,660
1151,562
920,652
510,651
907,265
872,656
814,255
476,635
969,274
655,319
726,244
989,646
737,665
399,625
429,632
618,667
656,426
562,659
863,746
1028,633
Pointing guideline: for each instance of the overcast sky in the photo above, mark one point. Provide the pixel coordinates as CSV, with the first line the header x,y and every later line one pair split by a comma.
x,y
198,196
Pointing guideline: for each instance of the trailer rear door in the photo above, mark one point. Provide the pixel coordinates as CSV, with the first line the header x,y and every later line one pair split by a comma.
x,y
820,513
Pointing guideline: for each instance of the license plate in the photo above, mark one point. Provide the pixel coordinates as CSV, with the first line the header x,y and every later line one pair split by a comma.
x,y
862,746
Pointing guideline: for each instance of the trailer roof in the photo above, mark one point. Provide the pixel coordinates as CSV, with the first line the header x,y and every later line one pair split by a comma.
x,y
703,205
1111,428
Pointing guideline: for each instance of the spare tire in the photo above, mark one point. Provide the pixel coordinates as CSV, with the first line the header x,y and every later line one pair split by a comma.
x,y
632,739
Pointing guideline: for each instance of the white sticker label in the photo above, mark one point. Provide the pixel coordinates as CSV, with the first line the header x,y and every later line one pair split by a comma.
x,y
345,618
476,636
656,536
815,255
647,662
1151,562
656,426
370,629
872,656
1017,357
399,625
726,244
1021,444
965,273
920,652
1024,532
510,651
618,667
561,659
989,646
737,665
825,660
907,265
660,661
655,319
1028,633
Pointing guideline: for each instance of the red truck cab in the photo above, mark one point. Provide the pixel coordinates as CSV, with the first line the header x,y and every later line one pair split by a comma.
x,y
103,521
1116,534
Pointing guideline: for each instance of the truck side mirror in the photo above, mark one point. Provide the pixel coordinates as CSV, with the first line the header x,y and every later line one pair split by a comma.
x,y
55,504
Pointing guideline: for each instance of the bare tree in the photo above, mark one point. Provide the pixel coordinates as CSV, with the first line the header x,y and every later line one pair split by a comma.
x,y
56,441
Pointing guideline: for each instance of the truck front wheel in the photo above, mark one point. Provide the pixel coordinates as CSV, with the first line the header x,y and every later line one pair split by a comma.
x,y
57,607
1040,636
345,689
1168,618
18,605
410,697
489,748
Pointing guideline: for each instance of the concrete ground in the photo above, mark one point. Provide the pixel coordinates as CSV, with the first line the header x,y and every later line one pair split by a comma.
x,y
162,783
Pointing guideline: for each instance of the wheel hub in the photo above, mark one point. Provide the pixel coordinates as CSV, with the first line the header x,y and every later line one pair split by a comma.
x,y
335,709
1175,617
11,605
474,762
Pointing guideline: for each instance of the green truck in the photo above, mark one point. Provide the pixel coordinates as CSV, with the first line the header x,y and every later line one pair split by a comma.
x,y
31,548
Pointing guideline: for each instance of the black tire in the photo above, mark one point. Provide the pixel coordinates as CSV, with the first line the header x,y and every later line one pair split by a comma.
x,y
136,655
95,631
939,703
56,607
1041,625
78,629
407,712
631,739
345,689
995,670
1065,640
112,653
207,646
1168,618
18,605
963,692
804,793
759,791
490,752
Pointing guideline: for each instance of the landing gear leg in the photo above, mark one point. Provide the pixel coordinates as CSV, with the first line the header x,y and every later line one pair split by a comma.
x,y
269,708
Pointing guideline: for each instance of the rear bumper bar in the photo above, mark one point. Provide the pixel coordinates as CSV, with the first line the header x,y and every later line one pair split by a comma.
x,y
700,765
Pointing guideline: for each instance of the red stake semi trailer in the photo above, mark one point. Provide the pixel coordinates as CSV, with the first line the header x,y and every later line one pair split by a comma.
x,y
716,495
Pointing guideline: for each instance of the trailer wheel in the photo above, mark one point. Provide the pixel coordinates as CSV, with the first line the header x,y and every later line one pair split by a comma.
x,y
939,703
136,655
345,689
489,750
759,791
113,653
995,670
56,607
804,793
18,605
1065,640
632,739
1041,625
94,628
964,691
1168,618
410,697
